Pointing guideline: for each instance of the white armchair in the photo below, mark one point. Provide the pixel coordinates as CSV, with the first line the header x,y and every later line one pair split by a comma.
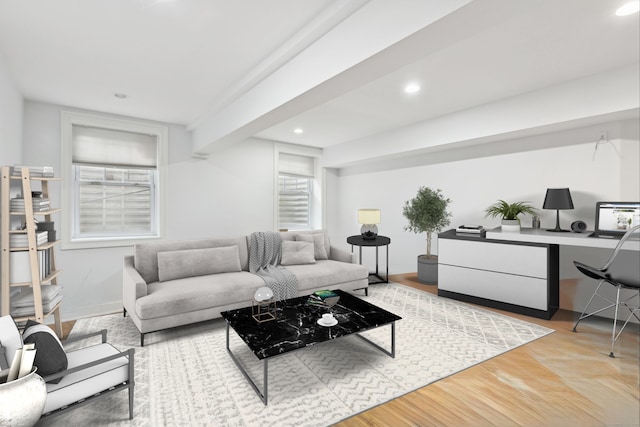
x,y
92,371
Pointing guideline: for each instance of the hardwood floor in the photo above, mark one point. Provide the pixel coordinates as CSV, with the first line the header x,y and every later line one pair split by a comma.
x,y
563,379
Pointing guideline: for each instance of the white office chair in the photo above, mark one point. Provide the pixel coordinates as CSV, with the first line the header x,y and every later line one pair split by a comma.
x,y
613,274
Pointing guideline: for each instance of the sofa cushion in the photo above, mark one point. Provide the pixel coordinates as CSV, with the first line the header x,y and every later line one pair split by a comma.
x,y
317,239
295,253
146,254
291,235
50,356
178,297
197,262
327,274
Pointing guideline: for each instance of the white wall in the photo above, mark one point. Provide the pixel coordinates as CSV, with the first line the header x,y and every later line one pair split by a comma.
x,y
10,117
229,194
474,183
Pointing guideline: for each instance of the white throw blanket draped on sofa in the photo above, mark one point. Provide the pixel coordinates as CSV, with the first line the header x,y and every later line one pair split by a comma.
x,y
264,256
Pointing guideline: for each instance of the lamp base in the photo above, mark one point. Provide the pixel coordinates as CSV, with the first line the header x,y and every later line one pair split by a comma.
x,y
369,231
558,229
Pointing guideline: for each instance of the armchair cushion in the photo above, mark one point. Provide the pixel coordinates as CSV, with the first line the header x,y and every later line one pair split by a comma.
x,y
87,382
50,355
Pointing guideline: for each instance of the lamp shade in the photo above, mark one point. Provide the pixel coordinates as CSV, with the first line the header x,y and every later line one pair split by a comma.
x,y
558,198
368,216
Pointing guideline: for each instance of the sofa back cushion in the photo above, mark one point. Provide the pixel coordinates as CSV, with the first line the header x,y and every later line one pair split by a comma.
x,y
296,253
145,255
291,235
197,262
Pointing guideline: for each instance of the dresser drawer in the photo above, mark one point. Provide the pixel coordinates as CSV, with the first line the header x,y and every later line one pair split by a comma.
x,y
507,258
512,289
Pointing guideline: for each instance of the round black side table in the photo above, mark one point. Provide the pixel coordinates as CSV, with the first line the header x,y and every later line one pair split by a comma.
x,y
360,241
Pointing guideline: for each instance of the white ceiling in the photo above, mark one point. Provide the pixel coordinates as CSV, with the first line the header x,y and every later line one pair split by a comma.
x,y
185,61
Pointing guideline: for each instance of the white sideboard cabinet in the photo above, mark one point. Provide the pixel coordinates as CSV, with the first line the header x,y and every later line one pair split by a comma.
x,y
521,277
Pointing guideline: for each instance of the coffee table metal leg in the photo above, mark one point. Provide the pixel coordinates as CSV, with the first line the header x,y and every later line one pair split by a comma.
x,y
260,394
391,353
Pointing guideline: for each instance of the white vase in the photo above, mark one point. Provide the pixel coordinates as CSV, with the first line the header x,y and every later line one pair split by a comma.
x,y
511,225
22,400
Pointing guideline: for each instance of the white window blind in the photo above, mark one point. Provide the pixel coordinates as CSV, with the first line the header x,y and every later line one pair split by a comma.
x,y
95,146
115,176
295,185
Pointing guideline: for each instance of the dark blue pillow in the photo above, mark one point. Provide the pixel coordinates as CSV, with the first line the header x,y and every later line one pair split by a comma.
x,y
50,355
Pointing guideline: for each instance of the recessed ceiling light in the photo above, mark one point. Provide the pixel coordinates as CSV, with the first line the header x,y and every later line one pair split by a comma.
x,y
298,131
412,88
628,8
120,95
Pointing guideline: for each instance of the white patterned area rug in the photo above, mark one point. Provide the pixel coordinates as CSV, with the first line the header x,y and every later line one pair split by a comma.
x,y
184,376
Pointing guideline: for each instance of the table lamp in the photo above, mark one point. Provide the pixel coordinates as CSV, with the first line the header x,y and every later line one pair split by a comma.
x,y
557,198
368,218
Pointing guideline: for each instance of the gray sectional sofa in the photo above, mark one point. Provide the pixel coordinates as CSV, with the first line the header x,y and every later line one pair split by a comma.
x,y
169,284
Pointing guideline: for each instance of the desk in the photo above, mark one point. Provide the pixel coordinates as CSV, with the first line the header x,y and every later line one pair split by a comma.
x,y
517,272
358,240
536,235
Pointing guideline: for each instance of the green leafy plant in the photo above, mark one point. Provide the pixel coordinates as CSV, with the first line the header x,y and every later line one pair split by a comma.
x,y
509,211
427,212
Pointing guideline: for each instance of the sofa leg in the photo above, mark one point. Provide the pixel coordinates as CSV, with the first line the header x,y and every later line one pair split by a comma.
x,y
141,340
124,312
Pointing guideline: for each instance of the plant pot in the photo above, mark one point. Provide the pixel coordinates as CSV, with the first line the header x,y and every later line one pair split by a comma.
x,y
428,269
22,400
511,225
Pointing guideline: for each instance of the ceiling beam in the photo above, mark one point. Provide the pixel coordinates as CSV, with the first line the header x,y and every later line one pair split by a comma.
x,y
378,38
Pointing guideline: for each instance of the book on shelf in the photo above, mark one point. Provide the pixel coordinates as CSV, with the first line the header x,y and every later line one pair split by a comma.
x,y
31,310
37,171
22,240
20,266
38,204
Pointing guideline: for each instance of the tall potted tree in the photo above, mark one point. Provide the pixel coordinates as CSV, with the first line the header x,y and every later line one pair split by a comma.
x,y
427,212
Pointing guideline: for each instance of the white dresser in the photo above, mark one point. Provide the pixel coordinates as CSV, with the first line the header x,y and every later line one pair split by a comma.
x,y
521,277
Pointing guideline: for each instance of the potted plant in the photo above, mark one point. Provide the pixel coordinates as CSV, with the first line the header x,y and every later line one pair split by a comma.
x,y
509,212
427,212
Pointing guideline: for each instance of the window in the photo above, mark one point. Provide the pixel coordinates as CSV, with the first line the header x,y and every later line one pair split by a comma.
x,y
294,203
113,176
113,202
295,191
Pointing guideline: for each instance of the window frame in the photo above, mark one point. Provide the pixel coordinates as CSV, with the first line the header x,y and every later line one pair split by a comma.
x,y
69,119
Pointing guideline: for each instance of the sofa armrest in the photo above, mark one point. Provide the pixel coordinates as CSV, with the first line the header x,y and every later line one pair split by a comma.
x,y
133,285
338,254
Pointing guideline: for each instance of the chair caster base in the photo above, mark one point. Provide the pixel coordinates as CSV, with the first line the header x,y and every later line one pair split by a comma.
x,y
611,355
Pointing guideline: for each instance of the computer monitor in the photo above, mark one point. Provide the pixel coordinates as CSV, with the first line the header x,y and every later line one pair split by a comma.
x,y
613,219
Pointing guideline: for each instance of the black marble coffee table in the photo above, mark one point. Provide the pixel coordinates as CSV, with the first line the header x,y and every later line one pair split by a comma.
x,y
296,327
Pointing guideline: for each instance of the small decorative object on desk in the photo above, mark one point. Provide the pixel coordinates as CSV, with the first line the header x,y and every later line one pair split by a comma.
x,y
324,298
470,229
264,306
